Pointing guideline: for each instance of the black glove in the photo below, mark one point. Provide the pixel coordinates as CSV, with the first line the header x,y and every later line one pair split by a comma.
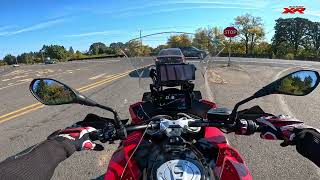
x,y
79,137
94,121
104,125
308,144
293,132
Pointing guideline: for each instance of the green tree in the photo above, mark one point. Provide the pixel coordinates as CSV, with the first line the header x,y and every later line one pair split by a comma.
x,y
203,39
308,82
179,41
117,47
41,89
26,58
291,33
9,59
250,30
71,51
97,48
315,37
156,50
55,52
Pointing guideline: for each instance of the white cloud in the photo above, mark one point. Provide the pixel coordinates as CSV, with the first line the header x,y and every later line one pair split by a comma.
x,y
312,13
182,8
34,27
163,6
2,28
95,33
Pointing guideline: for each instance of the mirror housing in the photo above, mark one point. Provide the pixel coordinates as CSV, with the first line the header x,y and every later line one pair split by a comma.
x,y
298,83
52,92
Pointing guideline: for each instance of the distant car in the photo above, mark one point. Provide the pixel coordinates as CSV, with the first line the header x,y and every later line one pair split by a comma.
x,y
50,61
190,51
171,55
15,65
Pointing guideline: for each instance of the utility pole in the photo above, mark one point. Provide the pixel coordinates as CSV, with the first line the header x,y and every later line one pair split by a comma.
x,y
42,55
141,48
229,61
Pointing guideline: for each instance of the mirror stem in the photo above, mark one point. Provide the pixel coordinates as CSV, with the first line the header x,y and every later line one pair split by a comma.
x,y
116,116
233,115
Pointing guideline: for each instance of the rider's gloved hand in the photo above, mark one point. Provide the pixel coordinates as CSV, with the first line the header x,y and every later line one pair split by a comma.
x,y
280,128
79,137
293,132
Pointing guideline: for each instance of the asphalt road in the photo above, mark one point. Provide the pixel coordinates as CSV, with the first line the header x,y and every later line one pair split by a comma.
x,y
23,122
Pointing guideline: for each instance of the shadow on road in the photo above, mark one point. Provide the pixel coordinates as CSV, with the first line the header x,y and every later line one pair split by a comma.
x,y
142,72
99,178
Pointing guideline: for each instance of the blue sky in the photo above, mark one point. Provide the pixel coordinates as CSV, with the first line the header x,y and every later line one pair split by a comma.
x,y
27,25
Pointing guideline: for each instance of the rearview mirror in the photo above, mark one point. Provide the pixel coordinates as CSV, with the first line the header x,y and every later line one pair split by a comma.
x,y
299,83
52,92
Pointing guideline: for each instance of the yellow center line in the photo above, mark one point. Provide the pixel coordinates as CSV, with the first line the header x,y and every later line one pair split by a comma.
x,y
109,80
99,82
22,113
38,105
27,107
79,89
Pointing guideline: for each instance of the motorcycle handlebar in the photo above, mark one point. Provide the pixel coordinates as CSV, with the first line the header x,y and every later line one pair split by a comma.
x,y
141,127
243,127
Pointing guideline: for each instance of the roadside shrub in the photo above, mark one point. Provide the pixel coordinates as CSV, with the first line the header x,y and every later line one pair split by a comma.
x,y
289,56
2,63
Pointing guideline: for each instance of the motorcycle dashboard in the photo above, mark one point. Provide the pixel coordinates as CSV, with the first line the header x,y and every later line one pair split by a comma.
x,y
173,101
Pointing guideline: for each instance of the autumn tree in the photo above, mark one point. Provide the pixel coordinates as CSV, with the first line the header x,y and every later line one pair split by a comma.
x,y
203,39
250,31
179,41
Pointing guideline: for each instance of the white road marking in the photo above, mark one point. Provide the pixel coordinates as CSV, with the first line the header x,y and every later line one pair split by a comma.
x,y
25,80
12,85
17,77
98,76
207,87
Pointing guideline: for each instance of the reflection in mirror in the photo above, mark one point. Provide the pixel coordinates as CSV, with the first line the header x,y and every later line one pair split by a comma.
x,y
299,83
51,92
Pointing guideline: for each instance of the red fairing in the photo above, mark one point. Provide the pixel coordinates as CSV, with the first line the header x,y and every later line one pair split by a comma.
x,y
134,117
121,157
212,104
230,164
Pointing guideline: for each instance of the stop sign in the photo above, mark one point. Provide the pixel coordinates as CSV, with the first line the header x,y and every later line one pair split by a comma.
x,y
230,32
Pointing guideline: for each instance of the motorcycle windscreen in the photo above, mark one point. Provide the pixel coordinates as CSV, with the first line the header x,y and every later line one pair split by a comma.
x,y
143,53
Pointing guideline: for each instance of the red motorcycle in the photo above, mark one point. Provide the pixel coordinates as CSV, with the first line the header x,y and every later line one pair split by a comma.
x,y
174,133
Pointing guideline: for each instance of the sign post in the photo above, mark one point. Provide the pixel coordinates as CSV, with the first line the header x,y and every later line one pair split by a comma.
x,y
230,32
